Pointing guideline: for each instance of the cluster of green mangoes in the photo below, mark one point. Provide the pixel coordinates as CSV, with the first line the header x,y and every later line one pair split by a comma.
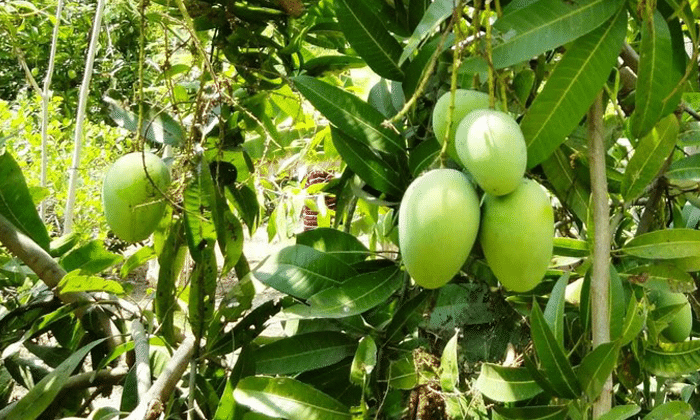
x,y
440,215
133,205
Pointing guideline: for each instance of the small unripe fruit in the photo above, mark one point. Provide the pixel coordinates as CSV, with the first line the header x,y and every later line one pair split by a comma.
x,y
682,322
492,148
517,236
438,223
466,101
133,206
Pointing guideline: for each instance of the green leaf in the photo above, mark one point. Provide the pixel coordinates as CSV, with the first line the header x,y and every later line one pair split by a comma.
x,y
665,244
685,169
437,12
43,393
570,190
352,115
657,76
506,384
288,398
199,228
671,359
546,412
542,26
554,311
649,157
369,165
203,290
621,412
246,202
344,246
634,321
90,258
418,65
460,304
617,303
158,126
170,263
302,271
136,260
555,365
16,202
596,367
408,317
76,282
303,352
571,88
354,296
664,276
402,373
570,247
672,410
366,34
449,365
364,361
422,156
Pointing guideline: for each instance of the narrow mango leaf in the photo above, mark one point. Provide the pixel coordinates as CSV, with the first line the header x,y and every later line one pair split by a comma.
x,y
685,169
158,126
537,375
657,76
369,38
634,321
199,228
449,365
228,408
621,412
303,352
203,290
649,156
570,247
422,156
665,244
170,263
409,316
672,410
43,394
288,398
364,361
437,12
572,87
402,373
302,271
90,258
617,303
555,365
663,276
352,115
542,26
543,412
16,202
368,164
344,246
506,384
596,367
554,311
672,359
76,282
569,188
331,63
136,260
354,296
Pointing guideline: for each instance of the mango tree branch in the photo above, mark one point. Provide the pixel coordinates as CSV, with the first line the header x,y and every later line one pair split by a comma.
x,y
600,278
151,405
141,364
48,270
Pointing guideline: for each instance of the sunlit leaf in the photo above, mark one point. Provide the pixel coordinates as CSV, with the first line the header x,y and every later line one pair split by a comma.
x,y
596,367
90,258
621,412
665,244
303,352
672,359
572,87
672,410
541,26
76,282
16,202
366,34
554,311
649,156
288,398
364,361
449,364
342,245
437,12
506,384
634,321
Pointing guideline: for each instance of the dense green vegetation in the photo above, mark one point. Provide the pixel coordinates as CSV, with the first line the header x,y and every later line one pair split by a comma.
x,y
367,316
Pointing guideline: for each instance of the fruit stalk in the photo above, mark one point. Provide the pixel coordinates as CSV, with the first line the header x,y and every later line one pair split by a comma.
x,y
600,278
